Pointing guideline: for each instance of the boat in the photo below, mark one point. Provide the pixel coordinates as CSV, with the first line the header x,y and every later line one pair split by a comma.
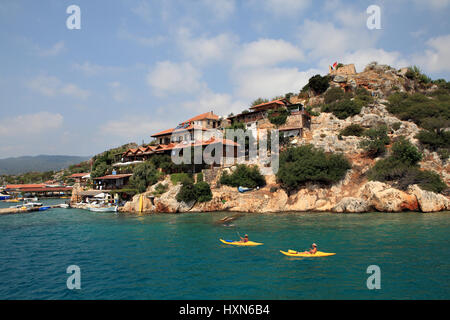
x,y
44,208
4,196
29,203
238,243
293,253
103,209
64,205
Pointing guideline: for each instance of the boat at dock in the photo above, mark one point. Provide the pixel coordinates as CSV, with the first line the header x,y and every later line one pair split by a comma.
x,y
104,209
4,197
29,203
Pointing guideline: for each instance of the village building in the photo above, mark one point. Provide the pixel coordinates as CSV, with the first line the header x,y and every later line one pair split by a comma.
x,y
81,178
42,190
201,127
111,182
257,117
202,130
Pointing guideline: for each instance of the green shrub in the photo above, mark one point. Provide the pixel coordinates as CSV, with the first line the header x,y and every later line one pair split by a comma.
x,y
414,73
418,107
433,140
299,165
200,192
363,97
244,176
199,176
343,108
405,152
187,193
144,174
402,170
396,126
160,188
376,141
278,117
203,191
333,95
181,177
402,175
311,112
318,84
352,130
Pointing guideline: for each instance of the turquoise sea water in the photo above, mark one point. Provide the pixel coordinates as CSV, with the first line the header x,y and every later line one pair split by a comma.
x,y
179,256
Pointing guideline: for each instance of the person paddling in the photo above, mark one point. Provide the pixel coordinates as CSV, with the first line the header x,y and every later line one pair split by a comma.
x,y
244,239
312,251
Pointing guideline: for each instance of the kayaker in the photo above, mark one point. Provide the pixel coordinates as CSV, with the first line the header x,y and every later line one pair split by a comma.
x,y
312,251
245,238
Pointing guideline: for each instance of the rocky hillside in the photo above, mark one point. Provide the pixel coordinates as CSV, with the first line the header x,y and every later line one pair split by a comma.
x,y
355,193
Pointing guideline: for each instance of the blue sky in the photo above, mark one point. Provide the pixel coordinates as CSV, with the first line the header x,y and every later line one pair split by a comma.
x,y
137,67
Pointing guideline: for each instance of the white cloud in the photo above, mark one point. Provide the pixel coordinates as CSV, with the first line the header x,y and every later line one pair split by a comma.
x,y
91,69
133,128
326,40
51,86
74,91
30,124
268,52
203,50
171,78
361,58
55,50
436,58
221,103
270,82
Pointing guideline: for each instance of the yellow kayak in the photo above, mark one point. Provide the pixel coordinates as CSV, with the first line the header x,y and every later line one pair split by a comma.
x,y
293,253
237,243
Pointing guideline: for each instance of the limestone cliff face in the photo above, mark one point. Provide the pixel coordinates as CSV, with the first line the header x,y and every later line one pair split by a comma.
x,y
370,196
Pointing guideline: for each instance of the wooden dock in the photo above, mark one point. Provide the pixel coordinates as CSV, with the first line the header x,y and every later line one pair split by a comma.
x,y
5,211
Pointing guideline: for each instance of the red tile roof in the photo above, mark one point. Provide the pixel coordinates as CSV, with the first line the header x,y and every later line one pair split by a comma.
x,y
114,176
278,102
206,115
78,175
203,116
53,189
21,186
163,133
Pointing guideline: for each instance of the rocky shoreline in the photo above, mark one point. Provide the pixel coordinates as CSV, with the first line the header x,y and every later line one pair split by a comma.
x,y
341,198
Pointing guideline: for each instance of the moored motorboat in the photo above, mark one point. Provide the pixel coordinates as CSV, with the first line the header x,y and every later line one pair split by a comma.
x,y
4,197
103,209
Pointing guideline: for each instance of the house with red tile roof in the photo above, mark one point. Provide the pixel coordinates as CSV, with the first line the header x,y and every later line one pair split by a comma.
x,y
200,127
258,115
200,131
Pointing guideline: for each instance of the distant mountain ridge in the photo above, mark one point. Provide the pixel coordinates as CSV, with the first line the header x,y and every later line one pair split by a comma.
x,y
40,163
